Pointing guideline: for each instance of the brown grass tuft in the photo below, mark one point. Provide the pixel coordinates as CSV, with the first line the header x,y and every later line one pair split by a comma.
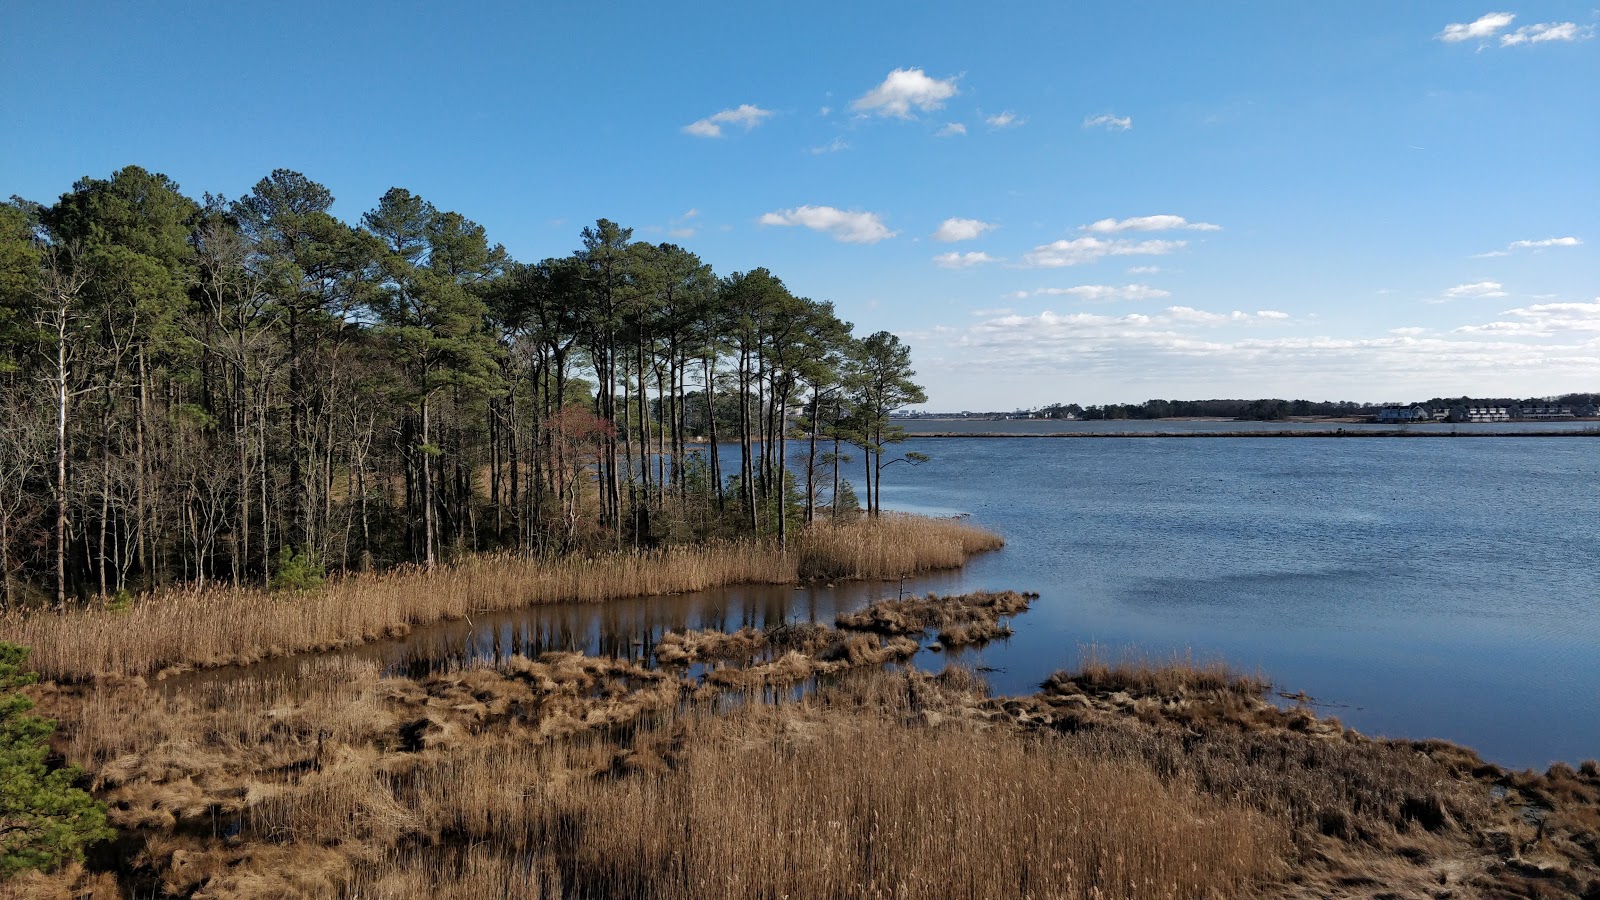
x,y
221,626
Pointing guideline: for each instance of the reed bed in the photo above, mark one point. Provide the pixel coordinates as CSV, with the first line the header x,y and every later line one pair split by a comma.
x,y
806,802
223,626
256,788
579,777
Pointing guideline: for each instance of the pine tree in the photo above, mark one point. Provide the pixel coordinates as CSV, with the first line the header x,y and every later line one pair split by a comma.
x,y
45,822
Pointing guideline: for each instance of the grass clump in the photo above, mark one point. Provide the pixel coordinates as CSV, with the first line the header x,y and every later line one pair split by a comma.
x,y
916,615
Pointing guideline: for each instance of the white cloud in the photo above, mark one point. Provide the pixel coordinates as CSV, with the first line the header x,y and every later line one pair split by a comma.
x,y
1098,292
1007,119
961,229
951,129
833,146
1148,223
1546,242
1143,270
1549,31
1088,249
849,226
1485,26
1199,316
1546,320
1191,347
903,90
954,260
1109,122
1476,290
711,126
1536,246
1411,331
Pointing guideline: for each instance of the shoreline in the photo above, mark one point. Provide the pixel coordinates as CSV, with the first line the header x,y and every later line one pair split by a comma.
x,y
583,760
1340,433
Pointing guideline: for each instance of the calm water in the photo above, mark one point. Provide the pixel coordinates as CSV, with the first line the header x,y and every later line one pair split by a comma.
x,y
1202,426
1415,588
1419,588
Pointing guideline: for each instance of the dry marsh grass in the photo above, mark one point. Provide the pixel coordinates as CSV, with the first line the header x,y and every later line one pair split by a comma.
x,y
1141,675
342,783
570,776
915,615
828,804
222,626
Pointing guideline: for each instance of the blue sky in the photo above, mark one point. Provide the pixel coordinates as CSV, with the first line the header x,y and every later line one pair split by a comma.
x,y
1050,202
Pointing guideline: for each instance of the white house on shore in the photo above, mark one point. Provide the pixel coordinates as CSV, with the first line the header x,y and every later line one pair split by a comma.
x,y
1482,414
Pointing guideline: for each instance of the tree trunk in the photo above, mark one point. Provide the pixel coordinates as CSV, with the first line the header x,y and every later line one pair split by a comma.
x,y
61,460
427,489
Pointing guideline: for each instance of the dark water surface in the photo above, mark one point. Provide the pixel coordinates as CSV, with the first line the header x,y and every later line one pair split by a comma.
x,y
1415,588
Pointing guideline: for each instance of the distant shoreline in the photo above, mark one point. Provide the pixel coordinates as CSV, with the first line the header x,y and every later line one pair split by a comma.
x,y
1341,433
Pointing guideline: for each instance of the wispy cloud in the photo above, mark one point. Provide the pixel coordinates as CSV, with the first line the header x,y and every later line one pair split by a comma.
x,y
1543,320
1536,246
954,260
961,229
1088,249
951,129
904,90
1489,25
1102,292
1148,223
833,146
1477,290
1483,27
711,126
1007,119
1200,316
1548,31
1546,242
849,226
681,226
1109,122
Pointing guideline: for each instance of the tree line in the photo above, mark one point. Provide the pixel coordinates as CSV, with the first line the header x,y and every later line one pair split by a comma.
x,y
1271,410
252,390
1260,410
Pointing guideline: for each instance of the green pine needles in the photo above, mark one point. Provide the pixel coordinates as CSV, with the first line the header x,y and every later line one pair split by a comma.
x,y
45,822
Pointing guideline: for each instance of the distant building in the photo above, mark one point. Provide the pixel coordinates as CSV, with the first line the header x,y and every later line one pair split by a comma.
x,y
1590,411
1405,414
1545,412
1481,414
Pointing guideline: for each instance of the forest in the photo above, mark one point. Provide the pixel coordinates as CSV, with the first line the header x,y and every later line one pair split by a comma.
x,y
251,391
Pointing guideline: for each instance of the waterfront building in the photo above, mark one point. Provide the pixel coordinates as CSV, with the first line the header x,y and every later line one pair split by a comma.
x,y
1481,414
1404,414
1545,412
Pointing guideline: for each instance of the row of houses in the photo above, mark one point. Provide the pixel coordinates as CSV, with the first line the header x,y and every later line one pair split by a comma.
x,y
1405,414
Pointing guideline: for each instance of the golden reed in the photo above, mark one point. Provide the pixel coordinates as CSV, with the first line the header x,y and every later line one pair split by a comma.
x,y
222,625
